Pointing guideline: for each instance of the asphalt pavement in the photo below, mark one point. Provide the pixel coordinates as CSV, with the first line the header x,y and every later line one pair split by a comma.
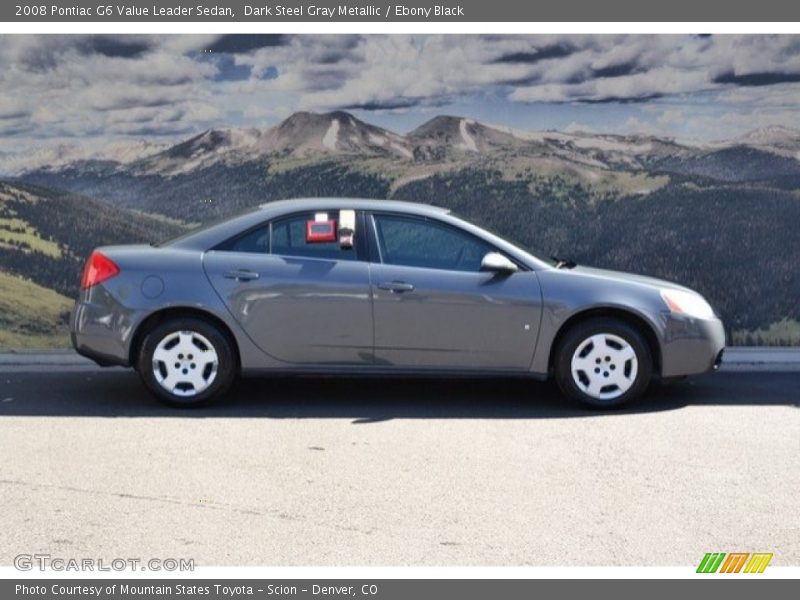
x,y
397,472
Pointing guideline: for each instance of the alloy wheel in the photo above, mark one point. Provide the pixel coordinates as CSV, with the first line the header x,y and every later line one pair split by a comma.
x,y
604,366
185,363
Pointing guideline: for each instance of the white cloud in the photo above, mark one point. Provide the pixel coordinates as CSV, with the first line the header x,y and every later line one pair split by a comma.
x,y
58,87
13,107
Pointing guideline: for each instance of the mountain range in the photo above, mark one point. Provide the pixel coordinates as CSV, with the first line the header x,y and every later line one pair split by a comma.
x,y
717,216
306,135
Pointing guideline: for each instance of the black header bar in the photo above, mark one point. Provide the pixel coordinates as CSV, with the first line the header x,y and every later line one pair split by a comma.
x,y
327,11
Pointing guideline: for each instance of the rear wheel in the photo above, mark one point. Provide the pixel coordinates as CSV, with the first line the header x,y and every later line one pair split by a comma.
x,y
603,362
186,362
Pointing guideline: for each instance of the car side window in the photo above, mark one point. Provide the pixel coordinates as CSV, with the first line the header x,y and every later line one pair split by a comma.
x,y
419,242
289,239
255,241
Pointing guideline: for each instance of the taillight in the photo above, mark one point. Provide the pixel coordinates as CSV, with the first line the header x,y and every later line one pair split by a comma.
x,y
98,269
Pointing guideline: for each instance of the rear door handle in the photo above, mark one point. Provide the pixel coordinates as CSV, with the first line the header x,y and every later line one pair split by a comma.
x,y
396,286
241,275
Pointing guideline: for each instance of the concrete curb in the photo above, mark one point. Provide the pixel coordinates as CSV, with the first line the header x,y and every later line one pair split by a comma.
x,y
736,359
746,358
755,355
56,358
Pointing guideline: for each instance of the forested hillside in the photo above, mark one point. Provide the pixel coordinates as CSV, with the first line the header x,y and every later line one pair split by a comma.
x,y
46,235
734,244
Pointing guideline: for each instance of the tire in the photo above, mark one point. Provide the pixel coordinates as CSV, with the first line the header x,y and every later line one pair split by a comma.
x,y
603,363
186,362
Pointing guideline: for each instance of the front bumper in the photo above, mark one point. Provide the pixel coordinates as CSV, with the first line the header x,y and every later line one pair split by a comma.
x,y
691,346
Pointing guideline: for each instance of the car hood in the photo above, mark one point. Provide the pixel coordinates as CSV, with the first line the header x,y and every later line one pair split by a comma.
x,y
629,277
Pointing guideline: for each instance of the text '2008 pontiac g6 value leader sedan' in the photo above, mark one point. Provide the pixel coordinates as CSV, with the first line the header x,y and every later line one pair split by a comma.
x,y
374,286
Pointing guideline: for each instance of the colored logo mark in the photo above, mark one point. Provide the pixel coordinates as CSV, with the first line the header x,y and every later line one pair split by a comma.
x,y
734,562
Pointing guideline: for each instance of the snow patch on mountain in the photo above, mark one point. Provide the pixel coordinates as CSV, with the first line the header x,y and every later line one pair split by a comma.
x,y
378,140
612,145
331,136
402,150
469,141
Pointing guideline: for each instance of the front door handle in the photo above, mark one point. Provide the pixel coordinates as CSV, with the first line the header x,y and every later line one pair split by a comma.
x,y
241,275
396,286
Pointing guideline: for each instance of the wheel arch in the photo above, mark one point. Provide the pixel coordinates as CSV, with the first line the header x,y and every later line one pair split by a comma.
x,y
176,312
635,320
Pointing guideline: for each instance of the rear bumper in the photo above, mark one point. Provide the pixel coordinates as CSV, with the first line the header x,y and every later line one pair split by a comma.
x,y
691,346
100,334
102,360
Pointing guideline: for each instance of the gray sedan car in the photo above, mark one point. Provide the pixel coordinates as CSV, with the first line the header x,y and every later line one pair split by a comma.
x,y
352,286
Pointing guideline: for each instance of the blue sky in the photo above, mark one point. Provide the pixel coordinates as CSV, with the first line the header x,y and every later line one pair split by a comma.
x,y
94,90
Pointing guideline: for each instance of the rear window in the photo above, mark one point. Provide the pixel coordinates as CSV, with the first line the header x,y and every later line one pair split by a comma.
x,y
203,227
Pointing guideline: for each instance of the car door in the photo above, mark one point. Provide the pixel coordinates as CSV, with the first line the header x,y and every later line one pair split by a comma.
x,y
435,309
301,303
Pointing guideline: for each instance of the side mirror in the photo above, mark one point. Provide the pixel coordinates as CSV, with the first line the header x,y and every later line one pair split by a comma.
x,y
497,263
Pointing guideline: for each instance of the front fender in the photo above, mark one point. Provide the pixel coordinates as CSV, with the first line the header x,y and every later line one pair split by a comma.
x,y
568,295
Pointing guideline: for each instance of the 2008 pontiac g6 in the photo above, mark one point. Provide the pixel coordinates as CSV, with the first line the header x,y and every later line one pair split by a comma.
x,y
375,286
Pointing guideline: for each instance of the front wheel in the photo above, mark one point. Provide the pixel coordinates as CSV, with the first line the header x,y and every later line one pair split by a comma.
x,y
186,362
604,363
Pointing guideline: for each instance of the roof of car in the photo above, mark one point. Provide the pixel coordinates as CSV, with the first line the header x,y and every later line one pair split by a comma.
x,y
300,204
213,233
210,235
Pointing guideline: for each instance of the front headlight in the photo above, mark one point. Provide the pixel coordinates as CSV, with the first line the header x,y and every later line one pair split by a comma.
x,y
687,303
